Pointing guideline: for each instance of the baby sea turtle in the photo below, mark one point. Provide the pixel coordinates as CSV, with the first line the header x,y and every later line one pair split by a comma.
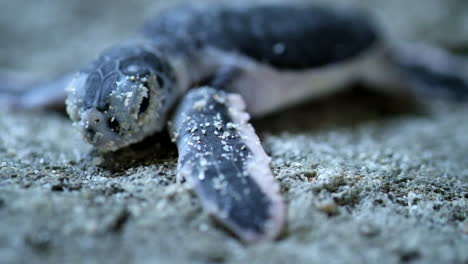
x,y
202,70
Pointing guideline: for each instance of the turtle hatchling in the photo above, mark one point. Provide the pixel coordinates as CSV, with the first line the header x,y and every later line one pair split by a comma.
x,y
203,71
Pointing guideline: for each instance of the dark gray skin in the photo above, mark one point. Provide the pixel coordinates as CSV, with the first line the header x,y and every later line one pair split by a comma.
x,y
273,56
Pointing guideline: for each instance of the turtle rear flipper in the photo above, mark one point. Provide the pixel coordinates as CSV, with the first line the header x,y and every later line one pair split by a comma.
x,y
419,70
221,157
431,71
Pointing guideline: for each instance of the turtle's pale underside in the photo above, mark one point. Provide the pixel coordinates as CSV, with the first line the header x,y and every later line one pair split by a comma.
x,y
202,69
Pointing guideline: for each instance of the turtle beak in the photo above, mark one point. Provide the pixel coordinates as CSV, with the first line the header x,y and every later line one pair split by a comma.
x,y
96,130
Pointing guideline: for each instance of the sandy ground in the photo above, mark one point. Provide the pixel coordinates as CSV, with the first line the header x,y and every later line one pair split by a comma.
x,y
367,178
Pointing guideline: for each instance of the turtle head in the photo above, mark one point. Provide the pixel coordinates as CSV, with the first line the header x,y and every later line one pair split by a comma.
x,y
122,97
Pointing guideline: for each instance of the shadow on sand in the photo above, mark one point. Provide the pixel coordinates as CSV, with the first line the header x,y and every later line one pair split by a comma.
x,y
342,110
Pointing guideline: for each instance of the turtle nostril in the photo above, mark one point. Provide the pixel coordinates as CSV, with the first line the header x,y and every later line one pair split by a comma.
x,y
113,124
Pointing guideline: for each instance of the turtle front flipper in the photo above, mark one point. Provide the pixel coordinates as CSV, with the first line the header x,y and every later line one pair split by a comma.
x,y
222,158
23,91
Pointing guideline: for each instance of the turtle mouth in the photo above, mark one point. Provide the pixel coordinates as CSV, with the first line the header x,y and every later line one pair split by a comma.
x,y
100,131
103,141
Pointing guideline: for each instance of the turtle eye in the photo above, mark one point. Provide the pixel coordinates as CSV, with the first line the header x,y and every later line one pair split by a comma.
x,y
144,104
114,125
160,81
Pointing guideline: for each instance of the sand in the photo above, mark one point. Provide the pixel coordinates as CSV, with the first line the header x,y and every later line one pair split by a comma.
x,y
367,178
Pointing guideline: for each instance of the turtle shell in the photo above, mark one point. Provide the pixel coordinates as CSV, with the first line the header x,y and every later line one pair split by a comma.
x,y
286,37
